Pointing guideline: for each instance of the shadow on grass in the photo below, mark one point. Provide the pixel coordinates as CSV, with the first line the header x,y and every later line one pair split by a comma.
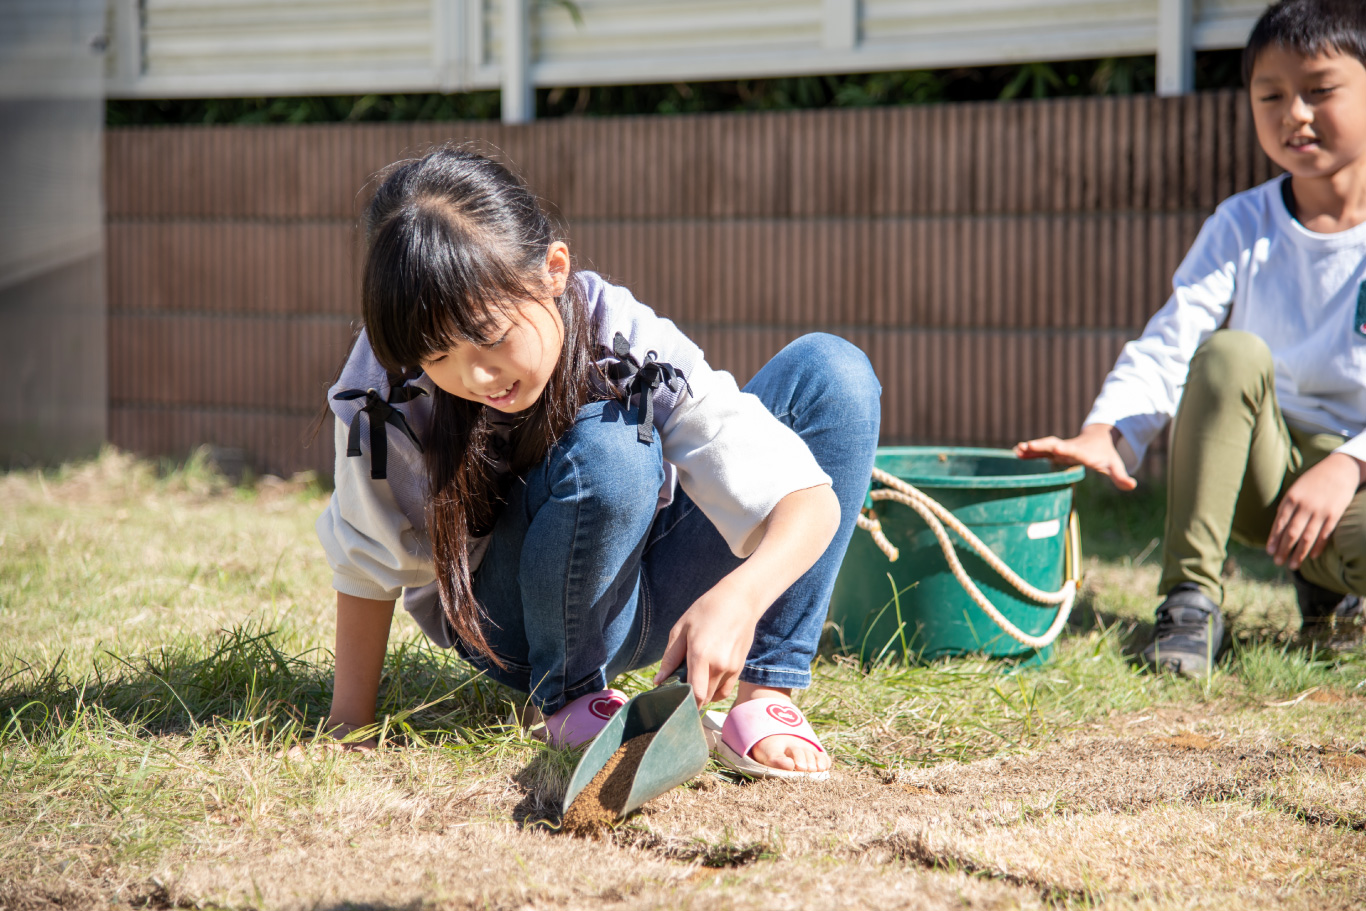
x,y
1130,633
416,904
1115,525
1267,660
242,677
543,783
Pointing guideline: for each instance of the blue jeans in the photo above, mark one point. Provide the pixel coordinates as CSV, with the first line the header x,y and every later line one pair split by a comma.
x,y
583,580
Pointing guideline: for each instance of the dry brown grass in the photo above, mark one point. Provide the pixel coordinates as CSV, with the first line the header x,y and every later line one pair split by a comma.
x,y
1119,823
1081,784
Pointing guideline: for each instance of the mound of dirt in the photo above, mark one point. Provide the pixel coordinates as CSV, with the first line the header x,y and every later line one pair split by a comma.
x,y
599,805
1113,774
1344,763
1187,741
20,897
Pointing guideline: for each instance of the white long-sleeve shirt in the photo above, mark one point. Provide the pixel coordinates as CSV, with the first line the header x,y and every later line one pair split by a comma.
x,y
733,458
1302,292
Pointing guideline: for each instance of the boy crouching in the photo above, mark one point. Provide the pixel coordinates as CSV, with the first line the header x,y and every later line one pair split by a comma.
x,y
1268,444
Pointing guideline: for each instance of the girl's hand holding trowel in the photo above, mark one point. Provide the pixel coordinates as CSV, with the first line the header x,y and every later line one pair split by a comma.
x,y
715,634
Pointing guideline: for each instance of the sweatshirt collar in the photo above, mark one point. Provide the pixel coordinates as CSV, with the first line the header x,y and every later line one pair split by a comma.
x,y
1302,236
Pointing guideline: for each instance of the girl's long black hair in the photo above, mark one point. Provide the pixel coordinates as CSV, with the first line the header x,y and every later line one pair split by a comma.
x,y
454,239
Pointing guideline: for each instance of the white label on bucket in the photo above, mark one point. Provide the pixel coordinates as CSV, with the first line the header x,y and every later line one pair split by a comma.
x,y
1047,529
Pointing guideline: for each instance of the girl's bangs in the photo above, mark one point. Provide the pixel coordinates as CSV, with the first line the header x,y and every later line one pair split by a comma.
x,y
429,287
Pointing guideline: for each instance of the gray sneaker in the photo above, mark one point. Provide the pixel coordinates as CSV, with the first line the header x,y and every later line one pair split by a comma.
x,y
1189,633
1329,619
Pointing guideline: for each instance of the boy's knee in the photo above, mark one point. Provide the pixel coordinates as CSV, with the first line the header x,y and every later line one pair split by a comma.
x,y
1229,362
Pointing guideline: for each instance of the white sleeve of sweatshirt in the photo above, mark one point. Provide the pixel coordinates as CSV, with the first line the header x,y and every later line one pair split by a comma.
x,y
373,549
1142,391
1355,447
734,458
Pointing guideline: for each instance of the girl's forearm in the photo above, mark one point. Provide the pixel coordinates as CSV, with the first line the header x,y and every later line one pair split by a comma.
x,y
362,639
797,532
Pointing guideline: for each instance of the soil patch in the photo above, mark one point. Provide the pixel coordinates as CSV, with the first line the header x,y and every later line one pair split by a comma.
x,y
599,805
893,779
1188,741
1345,763
23,897
1101,774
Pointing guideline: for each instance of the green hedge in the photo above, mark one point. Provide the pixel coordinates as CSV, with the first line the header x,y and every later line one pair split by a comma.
x,y
1112,76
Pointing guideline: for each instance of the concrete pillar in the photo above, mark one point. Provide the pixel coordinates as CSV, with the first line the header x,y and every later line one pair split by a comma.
x,y
839,30
1175,52
448,59
518,95
126,43
54,385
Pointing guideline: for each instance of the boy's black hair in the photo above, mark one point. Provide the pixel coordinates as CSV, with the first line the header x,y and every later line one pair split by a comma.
x,y
1309,27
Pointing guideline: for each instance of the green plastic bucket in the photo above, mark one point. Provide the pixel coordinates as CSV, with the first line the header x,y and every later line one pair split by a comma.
x,y
1021,509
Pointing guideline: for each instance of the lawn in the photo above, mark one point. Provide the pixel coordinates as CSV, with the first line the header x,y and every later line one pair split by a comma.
x,y
164,634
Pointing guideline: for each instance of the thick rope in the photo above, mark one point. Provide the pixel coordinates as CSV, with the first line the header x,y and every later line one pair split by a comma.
x,y
936,517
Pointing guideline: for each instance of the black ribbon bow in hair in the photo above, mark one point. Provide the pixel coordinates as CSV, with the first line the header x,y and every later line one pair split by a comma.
x,y
381,413
643,378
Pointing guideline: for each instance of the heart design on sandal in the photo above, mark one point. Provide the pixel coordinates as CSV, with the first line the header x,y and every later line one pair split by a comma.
x,y
785,714
605,706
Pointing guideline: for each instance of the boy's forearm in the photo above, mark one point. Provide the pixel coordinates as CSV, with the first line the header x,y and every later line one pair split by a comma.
x,y
1353,462
362,640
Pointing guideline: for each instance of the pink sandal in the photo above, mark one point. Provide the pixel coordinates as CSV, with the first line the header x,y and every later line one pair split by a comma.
x,y
732,735
581,720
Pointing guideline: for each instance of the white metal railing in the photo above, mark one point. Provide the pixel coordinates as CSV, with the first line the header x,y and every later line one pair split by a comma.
x,y
227,48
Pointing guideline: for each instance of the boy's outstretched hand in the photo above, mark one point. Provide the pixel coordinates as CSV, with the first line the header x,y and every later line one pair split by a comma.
x,y
1094,447
1311,509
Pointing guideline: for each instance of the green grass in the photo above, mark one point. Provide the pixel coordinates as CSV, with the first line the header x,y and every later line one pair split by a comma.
x,y
164,634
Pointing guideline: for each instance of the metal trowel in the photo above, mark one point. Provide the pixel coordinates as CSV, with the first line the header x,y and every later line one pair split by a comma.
x,y
677,753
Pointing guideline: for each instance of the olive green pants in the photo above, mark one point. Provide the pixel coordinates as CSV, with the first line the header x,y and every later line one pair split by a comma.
x,y
1232,459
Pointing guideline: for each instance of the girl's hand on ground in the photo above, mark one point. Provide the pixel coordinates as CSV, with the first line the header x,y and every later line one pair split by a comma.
x,y
714,636
330,741
1094,448
1311,509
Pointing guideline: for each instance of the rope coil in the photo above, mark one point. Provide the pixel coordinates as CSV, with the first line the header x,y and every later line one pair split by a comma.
x,y
936,517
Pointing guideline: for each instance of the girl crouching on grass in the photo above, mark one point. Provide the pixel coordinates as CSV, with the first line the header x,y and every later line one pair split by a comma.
x,y
563,489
